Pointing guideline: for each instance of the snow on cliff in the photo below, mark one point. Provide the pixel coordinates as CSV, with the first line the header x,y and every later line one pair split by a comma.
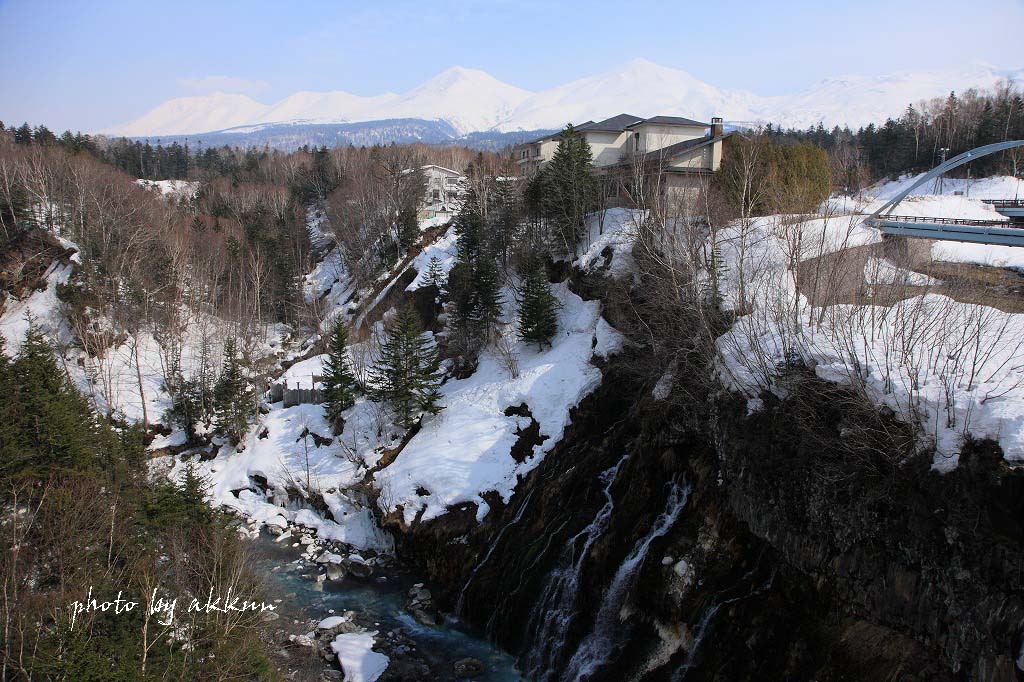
x,y
953,367
465,450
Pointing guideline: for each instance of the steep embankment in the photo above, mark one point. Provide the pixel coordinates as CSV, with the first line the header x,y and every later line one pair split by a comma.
x,y
688,538
701,543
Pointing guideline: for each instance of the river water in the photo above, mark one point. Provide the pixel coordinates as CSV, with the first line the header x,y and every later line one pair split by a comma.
x,y
381,605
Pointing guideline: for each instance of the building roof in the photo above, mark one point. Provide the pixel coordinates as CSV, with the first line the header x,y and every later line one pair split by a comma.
x,y
442,168
615,124
670,121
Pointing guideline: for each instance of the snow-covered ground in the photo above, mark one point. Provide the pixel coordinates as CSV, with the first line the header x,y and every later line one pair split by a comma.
x,y
443,249
174,189
464,451
41,306
954,368
358,660
996,187
615,230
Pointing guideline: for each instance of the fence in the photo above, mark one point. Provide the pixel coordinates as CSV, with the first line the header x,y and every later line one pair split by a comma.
x,y
296,396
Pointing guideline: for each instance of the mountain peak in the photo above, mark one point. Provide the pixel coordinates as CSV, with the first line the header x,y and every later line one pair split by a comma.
x,y
458,76
472,100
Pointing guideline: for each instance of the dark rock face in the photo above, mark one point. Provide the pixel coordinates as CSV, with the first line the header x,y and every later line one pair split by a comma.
x,y
808,546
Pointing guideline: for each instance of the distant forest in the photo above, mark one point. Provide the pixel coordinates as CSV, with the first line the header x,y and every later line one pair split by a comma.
x,y
914,141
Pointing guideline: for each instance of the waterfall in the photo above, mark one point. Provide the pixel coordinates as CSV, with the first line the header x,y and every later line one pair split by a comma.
x,y
519,515
551,617
596,648
702,626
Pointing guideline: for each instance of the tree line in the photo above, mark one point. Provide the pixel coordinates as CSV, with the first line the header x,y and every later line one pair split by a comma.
x,y
80,517
917,139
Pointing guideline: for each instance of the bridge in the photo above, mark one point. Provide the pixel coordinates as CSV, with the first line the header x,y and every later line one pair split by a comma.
x,y
1007,232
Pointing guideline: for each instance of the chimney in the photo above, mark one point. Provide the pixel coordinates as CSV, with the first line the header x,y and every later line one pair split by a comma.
x,y
716,127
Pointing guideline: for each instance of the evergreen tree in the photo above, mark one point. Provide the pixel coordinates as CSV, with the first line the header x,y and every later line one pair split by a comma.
x,y
487,294
474,282
538,320
23,134
406,375
570,189
339,383
232,396
435,275
54,428
408,228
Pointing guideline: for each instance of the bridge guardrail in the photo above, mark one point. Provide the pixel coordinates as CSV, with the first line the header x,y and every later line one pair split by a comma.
x,y
944,221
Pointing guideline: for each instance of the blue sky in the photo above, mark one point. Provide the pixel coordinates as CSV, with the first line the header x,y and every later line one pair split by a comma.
x,y
89,64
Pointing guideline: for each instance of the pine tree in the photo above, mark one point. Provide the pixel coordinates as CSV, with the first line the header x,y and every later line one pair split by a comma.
x,y
538,321
474,282
487,294
435,275
570,189
57,429
406,375
408,228
232,396
339,383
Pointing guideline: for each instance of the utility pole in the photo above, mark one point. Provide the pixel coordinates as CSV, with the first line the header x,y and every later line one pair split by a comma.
x,y
938,181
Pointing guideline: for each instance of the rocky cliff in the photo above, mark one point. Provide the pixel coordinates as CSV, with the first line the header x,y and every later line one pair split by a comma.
x,y
690,540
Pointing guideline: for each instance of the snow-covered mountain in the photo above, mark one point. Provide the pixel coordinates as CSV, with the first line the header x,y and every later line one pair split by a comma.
x,y
473,101
859,100
193,115
468,99
639,87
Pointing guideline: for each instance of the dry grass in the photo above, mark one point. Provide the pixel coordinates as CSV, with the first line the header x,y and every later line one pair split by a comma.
x,y
995,287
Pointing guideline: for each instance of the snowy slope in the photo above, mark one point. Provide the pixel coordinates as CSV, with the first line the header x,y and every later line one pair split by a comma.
x,y
323,107
199,114
468,99
638,87
471,100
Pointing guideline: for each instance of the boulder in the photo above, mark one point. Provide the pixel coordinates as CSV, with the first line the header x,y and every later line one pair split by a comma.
x,y
468,667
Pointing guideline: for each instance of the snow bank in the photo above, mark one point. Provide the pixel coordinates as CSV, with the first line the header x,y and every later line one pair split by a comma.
x,y
43,306
283,450
465,450
616,230
443,249
174,189
953,368
996,187
301,374
357,658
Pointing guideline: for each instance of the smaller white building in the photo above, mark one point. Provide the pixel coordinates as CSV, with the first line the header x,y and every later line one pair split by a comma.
x,y
444,188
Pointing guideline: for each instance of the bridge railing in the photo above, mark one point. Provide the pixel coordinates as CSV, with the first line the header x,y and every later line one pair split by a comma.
x,y
1004,203
943,221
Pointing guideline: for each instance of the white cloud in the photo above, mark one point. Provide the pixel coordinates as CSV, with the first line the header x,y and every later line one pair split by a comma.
x,y
207,84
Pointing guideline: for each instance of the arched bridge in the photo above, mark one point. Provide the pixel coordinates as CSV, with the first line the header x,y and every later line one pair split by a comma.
x,y
1008,232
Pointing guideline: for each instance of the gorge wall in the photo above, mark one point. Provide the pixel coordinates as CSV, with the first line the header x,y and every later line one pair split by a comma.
x,y
690,540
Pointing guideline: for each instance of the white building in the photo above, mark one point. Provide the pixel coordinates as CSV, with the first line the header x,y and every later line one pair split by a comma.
x,y
443,190
679,149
